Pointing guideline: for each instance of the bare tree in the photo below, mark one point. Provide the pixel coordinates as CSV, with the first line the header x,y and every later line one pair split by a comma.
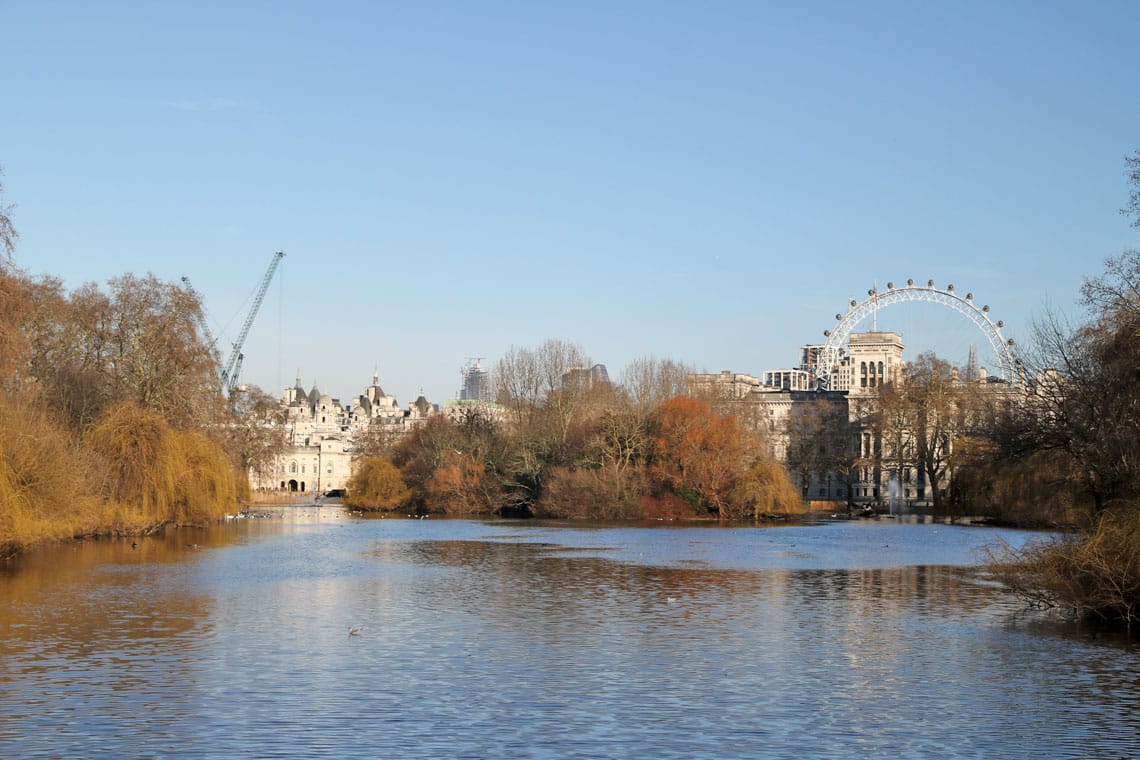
x,y
8,234
804,430
256,437
649,381
818,443
1084,397
531,381
920,418
1132,171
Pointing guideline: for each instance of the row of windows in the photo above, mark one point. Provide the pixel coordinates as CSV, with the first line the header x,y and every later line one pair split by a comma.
x,y
293,468
869,379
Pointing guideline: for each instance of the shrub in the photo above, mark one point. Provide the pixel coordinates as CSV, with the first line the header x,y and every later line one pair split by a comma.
x,y
1096,573
376,484
600,493
765,491
157,474
43,479
461,485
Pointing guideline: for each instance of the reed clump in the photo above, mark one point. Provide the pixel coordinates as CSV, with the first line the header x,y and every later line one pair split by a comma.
x,y
1095,573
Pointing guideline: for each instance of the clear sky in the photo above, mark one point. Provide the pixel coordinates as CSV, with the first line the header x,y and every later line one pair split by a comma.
x,y
709,182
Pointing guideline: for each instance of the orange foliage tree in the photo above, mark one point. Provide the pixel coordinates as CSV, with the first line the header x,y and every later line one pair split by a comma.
x,y
461,485
709,459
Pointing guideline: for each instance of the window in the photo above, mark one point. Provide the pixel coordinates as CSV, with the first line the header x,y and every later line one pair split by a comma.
x,y
293,467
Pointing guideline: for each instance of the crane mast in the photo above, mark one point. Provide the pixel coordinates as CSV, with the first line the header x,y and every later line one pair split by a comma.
x,y
200,317
233,365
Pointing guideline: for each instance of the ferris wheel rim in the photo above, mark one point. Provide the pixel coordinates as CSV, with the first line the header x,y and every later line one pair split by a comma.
x,y
838,337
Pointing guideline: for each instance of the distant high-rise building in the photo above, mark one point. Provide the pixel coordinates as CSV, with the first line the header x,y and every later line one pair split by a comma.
x,y
476,383
973,371
586,377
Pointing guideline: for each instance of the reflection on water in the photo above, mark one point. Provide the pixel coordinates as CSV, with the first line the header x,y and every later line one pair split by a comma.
x,y
477,639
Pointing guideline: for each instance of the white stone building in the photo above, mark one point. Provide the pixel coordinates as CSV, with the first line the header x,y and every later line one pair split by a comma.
x,y
872,360
320,433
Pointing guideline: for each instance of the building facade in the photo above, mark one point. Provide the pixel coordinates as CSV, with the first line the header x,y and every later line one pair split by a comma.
x,y
322,434
868,467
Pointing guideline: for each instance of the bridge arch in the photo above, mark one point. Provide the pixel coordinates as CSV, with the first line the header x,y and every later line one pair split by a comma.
x,y
837,337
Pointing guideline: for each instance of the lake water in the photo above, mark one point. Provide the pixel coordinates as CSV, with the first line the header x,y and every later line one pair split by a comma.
x,y
317,634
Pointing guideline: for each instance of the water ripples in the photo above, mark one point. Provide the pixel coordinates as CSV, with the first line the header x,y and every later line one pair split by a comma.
x,y
462,639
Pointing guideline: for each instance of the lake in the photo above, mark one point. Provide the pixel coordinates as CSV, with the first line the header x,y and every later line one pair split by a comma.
x,y
314,633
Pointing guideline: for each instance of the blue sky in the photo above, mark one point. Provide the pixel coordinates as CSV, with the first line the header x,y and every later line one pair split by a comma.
x,y
709,182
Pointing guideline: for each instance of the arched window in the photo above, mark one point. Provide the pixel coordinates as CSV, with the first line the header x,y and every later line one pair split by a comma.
x,y
293,467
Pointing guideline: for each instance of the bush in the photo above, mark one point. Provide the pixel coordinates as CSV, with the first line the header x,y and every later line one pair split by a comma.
x,y
43,479
157,474
461,485
766,491
602,493
1096,573
376,484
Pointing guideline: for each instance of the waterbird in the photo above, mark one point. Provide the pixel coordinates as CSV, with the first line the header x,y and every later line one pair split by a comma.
x,y
353,631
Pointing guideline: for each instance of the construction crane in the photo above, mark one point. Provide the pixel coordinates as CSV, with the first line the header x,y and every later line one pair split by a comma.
x,y
201,315
233,366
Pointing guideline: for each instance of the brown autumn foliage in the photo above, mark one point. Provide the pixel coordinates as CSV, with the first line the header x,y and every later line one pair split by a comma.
x,y
105,401
597,493
712,462
160,474
460,485
1093,574
376,484
44,478
566,445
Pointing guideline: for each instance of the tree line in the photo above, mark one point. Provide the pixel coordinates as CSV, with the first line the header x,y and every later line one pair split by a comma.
x,y
110,409
561,443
